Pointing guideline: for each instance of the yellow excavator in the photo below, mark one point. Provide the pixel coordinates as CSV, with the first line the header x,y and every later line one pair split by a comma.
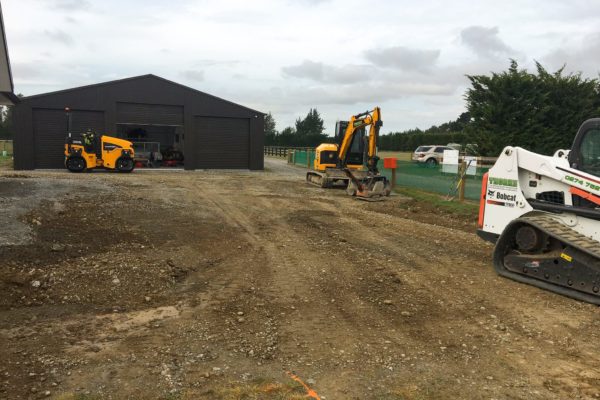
x,y
89,150
352,161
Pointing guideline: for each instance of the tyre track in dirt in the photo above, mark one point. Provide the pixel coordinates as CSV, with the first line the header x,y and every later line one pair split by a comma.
x,y
264,273
463,302
314,330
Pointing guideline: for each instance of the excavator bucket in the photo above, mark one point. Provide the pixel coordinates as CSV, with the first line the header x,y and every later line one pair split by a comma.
x,y
370,188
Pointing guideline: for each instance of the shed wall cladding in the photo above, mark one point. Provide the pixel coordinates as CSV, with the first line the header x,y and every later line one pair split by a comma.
x,y
218,133
224,142
149,114
50,131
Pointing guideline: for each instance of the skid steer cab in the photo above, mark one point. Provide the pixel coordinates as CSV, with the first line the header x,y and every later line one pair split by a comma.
x,y
89,151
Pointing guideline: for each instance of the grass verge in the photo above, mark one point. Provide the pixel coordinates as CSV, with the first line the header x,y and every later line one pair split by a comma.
x,y
466,209
6,162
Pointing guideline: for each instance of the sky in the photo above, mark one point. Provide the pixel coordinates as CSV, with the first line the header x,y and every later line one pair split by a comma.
x,y
410,58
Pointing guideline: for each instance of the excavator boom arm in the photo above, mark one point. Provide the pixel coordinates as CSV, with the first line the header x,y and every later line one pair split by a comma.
x,y
368,118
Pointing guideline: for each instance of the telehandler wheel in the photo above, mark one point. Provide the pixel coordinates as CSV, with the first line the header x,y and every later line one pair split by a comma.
x,y
125,164
75,164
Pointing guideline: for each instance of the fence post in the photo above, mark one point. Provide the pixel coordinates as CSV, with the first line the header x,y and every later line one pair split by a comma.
x,y
391,163
307,158
461,182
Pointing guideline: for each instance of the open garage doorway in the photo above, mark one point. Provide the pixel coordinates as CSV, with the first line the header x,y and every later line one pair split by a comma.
x,y
156,146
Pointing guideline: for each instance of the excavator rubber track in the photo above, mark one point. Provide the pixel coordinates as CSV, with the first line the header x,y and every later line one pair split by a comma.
x,y
565,262
326,179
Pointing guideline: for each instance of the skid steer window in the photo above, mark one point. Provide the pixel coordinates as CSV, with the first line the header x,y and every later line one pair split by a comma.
x,y
590,152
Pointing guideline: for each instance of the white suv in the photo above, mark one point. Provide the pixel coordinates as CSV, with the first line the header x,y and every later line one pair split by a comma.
x,y
430,155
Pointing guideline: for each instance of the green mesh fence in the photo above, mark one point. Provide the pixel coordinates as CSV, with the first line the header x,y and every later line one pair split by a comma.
x,y
437,179
300,158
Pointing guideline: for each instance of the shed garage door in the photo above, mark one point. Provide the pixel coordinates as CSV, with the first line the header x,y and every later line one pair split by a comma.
x,y
50,130
222,142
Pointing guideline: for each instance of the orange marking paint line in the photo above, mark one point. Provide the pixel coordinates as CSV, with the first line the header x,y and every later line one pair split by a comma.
x,y
309,392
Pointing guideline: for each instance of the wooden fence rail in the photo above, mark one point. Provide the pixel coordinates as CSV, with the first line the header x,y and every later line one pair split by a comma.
x,y
282,151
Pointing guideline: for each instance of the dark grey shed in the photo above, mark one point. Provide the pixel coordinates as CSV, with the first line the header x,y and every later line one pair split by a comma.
x,y
211,132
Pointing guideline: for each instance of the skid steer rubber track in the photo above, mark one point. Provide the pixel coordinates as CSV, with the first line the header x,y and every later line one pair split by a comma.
x,y
568,263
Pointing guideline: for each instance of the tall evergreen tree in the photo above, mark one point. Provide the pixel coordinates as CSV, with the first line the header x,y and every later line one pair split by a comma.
x,y
540,112
309,131
270,130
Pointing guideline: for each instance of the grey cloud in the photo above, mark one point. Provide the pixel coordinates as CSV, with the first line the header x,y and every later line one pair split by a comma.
x,y
369,92
310,2
72,5
26,71
214,63
193,75
320,72
403,58
307,69
582,59
484,41
573,10
60,36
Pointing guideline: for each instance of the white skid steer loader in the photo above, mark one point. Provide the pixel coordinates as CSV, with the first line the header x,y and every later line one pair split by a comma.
x,y
543,214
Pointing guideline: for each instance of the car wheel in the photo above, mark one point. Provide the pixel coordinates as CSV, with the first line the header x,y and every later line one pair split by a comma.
x,y
432,162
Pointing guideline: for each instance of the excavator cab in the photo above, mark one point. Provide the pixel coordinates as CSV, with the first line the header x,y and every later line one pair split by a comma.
x,y
326,154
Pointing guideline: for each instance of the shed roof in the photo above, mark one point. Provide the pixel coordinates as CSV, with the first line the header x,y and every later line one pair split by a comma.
x,y
147,76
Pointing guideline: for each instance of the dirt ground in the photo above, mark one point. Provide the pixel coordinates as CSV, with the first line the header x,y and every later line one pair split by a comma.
x,y
214,285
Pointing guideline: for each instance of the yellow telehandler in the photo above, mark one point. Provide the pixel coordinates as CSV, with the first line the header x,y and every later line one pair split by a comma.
x,y
88,151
